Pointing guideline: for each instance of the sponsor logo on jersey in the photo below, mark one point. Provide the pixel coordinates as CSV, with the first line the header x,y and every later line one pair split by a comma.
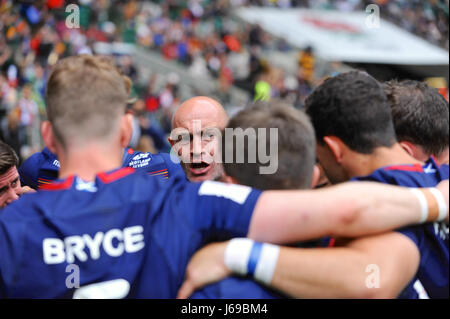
x,y
140,160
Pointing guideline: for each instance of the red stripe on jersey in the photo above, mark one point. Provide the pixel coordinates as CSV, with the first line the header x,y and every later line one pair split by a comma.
x,y
332,242
58,186
409,168
114,176
163,170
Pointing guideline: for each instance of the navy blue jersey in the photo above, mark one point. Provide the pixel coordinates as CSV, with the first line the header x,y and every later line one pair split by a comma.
x,y
432,277
39,169
42,168
236,288
112,236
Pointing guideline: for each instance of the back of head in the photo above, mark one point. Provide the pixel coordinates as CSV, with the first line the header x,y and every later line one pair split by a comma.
x,y
8,158
85,97
420,114
353,107
296,147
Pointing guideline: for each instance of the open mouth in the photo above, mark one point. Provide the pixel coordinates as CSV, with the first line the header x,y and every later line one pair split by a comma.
x,y
199,168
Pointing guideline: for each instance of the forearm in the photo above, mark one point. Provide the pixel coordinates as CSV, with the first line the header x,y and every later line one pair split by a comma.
x,y
371,267
347,210
382,208
321,273
378,208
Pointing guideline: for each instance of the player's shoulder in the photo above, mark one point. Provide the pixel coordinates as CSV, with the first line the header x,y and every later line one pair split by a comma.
x,y
135,183
31,168
45,156
160,164
137,159
411,175
173,165
32,162
22,210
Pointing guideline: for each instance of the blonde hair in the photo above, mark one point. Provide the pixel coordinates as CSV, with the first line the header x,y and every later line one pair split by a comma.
x,y
86,95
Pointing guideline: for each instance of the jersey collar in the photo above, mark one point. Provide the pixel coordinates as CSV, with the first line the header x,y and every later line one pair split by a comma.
x,y
104,177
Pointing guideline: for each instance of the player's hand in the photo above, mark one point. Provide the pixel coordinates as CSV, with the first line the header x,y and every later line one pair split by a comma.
x,y
205,267
26,189
443,188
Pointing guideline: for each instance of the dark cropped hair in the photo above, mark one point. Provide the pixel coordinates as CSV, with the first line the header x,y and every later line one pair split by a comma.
x,y
296,146
8,158
420,114
353,107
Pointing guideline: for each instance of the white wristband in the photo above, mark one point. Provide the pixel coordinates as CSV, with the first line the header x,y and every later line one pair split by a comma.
x,y
443,209
245,257
423,204
267,263
237,255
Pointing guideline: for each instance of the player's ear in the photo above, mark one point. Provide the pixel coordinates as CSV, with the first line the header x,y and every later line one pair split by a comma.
x,y
408,147
315,176
48,136
126,130
415,151
336,147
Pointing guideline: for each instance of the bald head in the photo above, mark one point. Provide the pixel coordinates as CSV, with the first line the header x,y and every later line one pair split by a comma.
x,y
201,108
196,117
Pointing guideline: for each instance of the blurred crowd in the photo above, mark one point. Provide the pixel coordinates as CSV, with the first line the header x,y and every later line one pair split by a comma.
x,y
428,19
202,35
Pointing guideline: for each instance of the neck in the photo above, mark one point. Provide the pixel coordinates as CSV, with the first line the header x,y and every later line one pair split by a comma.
x,y
366,164
443,158
87,161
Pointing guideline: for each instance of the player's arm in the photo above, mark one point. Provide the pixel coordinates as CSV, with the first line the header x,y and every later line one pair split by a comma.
x,y
347,210
378,266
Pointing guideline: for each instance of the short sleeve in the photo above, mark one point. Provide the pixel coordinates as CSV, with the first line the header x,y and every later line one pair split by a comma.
x,y
173,166
29,170
213,207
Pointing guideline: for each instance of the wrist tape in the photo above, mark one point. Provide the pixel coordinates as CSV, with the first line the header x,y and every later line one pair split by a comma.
x,y
247,257
432,204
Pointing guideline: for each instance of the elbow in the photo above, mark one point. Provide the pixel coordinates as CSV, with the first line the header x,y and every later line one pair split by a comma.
x,y
351,218
345,220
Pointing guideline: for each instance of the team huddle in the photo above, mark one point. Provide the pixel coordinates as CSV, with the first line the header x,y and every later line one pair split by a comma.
x,y
361,183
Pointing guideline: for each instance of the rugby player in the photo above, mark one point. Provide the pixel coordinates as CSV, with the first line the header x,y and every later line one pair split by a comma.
x,y
196,117
42,168
356,140
421,119
296,144
131,235
10,187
